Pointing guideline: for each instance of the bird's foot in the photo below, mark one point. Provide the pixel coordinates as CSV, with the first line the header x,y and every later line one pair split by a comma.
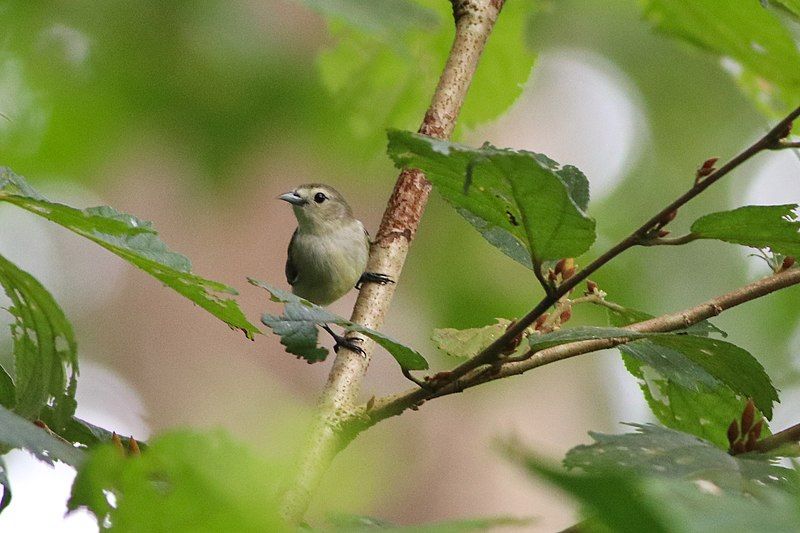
x,y
343,342
373,277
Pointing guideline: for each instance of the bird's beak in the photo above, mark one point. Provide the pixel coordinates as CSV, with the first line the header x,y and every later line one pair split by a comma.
x,y
293,198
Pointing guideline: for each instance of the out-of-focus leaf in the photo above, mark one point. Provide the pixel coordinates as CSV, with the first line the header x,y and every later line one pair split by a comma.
x,y
793,6
772,226
297,328
6,499
385,18
518,192
135,241
186,482
467,343
45,352
388,58
681,388
16,432
746,35
627,501
658,451
366,523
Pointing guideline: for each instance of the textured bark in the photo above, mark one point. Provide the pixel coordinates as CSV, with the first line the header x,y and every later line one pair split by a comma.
x,y
474,20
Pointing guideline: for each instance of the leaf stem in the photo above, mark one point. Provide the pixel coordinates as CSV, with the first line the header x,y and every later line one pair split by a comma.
x,y
789,435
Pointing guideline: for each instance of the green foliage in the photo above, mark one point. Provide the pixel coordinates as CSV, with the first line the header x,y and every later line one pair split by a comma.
x,y
521,195
388,58
133,240
45,352
17,432
186,482
297,328
743,32
774,226
468,343
657,451
694,383
632,499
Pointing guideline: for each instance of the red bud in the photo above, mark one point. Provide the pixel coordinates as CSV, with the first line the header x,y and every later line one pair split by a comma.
x,y
733,432
748,416
788,262
540,321
133,446
565,315
591,286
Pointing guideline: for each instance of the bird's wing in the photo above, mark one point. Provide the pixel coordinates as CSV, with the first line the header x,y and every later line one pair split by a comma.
x,y
291,269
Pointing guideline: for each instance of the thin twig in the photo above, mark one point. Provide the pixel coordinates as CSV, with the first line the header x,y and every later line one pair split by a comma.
x,y
674,241
394,405
474,21
789,435
491,352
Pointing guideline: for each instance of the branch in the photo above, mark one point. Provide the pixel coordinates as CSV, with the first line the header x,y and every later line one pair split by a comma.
x,y
395,405
787,436
474,22
639,236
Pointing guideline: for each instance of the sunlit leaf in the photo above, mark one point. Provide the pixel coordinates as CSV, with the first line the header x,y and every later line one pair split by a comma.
x,y
468,343
186,482
135,241
772,226
45,358
388,57
17,432
297,328
518,192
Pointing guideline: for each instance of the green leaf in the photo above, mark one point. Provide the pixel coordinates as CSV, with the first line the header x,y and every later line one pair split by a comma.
x,y
773,226
658,451
8,392
45,352
16,432
793,6
389,54
689,389
744,33
6,499
186,482
516,192
583,333
628,501
133,240
297,328
466,343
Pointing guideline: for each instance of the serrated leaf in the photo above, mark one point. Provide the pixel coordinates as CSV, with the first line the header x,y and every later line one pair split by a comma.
x,y
693,383
517,192
388,57
743,33
186,482
774,226
658,451
297,328
17,432
45,352
627,501
466,343
133,240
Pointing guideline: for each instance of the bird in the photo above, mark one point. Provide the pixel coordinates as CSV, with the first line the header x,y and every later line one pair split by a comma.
x,y
328,251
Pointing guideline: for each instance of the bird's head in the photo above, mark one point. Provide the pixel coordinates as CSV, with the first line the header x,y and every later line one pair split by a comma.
x,y
317,206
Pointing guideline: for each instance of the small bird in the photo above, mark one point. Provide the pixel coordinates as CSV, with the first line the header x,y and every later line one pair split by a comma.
x,y
329,249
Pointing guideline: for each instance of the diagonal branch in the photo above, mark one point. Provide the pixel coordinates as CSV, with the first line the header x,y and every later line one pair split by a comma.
x,y
474,20
395,405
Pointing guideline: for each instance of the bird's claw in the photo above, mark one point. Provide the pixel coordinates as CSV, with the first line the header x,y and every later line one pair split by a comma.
x,y
373,277
344,342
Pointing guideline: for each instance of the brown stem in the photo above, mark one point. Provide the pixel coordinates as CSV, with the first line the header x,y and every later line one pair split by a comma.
x,y
491,352
394,405
787,436
474,20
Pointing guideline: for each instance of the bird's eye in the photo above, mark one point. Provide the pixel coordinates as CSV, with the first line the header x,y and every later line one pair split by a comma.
x,y
320,197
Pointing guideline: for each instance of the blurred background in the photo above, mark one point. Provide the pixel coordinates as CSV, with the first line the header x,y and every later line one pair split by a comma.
x,y
196,115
